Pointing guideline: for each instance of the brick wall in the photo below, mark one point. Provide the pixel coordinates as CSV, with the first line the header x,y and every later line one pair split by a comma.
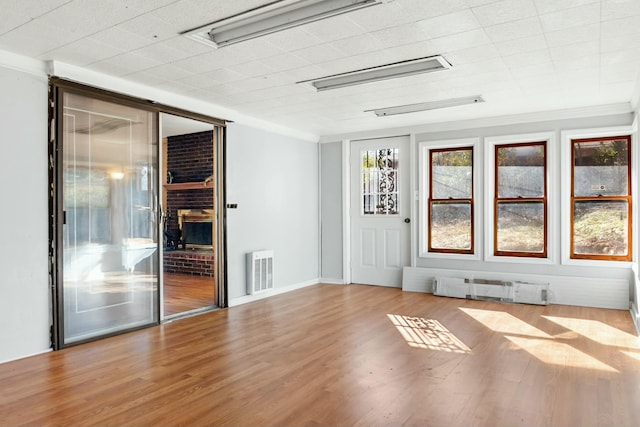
x,y
189,159
189,262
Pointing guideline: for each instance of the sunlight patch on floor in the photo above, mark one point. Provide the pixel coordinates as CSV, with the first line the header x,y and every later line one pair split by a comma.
x,y
597,331
556,353
631,354
505,323
427,334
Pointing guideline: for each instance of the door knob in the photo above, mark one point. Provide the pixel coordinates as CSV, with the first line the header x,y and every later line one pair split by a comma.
x,y
407,220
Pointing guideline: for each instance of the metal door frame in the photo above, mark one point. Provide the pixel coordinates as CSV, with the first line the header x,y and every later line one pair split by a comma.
x,y
57,88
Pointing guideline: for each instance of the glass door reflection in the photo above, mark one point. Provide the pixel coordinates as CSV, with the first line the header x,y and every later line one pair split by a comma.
x,y
110,231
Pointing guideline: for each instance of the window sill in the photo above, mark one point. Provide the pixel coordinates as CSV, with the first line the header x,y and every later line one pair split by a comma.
x,y
597,263
445,255
520,260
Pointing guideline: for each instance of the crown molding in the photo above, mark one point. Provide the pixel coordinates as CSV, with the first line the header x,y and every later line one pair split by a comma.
x,y
22,63
635,96
127,87
532,117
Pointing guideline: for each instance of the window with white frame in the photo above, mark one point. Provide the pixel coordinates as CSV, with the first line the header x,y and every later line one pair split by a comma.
x,y
599,169
450,204
520,200
601,198
520,184
449,216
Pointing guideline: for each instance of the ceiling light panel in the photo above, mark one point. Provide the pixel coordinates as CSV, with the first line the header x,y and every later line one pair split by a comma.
x,y
274,17
383,72
424,106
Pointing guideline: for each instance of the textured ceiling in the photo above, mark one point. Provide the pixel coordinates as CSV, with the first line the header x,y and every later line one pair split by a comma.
x,y
520,55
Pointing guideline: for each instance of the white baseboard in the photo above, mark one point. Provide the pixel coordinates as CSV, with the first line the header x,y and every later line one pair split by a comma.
x,y
331,281
635,315
26,355
567,290
271,292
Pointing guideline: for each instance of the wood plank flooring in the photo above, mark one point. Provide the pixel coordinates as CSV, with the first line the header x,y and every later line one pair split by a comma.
x,y
184,292
332,355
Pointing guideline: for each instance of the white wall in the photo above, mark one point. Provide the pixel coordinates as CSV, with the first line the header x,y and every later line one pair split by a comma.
x,y
333,245
331,211
274,180
518,129
24,291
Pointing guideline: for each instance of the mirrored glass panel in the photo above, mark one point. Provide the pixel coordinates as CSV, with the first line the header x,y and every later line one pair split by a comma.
x,y
110,270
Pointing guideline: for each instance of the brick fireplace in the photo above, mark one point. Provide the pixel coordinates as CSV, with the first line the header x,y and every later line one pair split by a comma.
x,y
189,163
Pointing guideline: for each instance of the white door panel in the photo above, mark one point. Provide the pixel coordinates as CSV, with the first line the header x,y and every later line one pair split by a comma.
x,y
393,248
379,205
368,245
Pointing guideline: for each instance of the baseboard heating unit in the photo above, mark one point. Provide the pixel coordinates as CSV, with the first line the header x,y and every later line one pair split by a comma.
x,y
259,271
492,290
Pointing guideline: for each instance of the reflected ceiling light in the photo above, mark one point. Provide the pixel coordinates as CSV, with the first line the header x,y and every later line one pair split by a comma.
x,y
383,72
424,106
273,17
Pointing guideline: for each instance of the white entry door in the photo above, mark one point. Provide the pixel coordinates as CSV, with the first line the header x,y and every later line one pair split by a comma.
x,y
380,211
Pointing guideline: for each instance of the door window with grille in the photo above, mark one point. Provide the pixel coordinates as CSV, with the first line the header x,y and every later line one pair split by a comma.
x,y
380,182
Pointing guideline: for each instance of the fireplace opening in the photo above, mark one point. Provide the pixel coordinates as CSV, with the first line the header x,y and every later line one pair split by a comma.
x,y
196,228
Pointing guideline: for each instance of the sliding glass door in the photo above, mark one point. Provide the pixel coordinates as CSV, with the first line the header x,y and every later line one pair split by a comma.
x,y
107,230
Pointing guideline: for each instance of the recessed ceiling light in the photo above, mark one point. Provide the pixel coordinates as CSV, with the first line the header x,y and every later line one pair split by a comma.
x,y
382,72
423,106
273,17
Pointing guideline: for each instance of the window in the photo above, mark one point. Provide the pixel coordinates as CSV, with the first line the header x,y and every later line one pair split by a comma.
x,y
601,198
449,216
450,205
380,181
520,200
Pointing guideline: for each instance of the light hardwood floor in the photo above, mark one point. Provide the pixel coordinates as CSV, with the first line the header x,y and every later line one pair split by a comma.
x,y
345,356
183,292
